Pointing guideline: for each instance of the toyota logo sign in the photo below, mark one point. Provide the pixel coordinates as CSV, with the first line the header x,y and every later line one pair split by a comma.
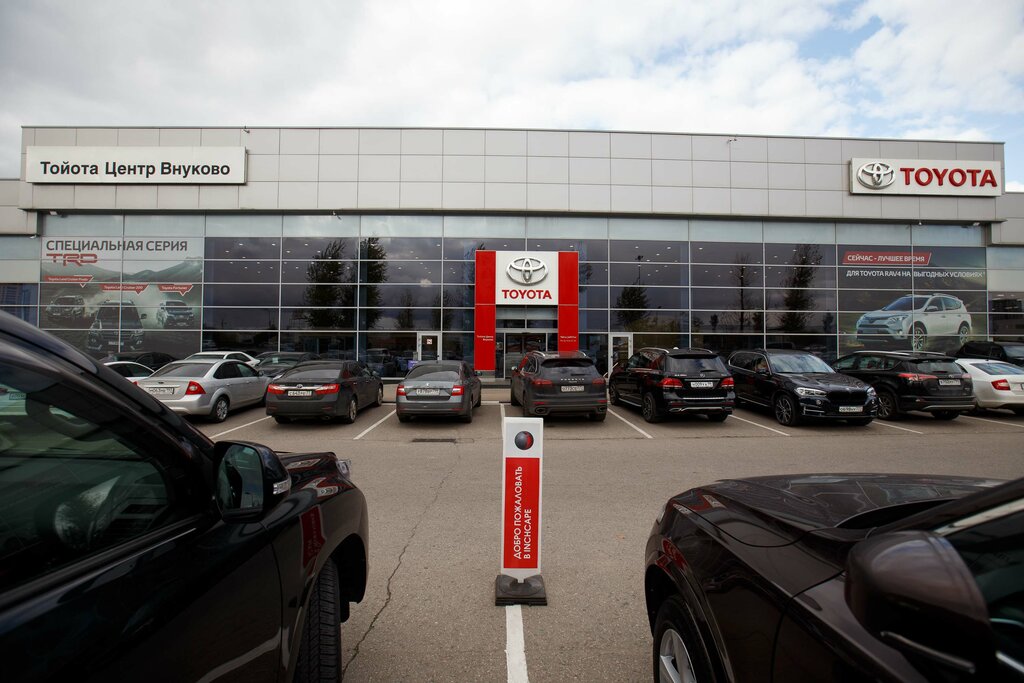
x,y
876,175
527,270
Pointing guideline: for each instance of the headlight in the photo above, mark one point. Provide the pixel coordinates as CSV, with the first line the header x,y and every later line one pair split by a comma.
x,y
898,318
804,391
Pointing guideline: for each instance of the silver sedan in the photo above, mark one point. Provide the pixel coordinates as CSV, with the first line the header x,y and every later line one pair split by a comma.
x,y
439,388
208,388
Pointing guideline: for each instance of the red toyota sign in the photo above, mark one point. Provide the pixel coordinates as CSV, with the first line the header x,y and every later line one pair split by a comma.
x,y
960,177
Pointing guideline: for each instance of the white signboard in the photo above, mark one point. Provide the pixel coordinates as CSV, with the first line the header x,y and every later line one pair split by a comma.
x,y
961,178
528,277
136,165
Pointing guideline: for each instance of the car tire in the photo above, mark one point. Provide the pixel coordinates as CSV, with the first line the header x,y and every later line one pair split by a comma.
x,y
717,417
350,411
861,422
468,417
404,418
613,396
649,409
379,401
220,409
963,333
513,400
918,337
678,652
946,414
597,417
320,649
785,409
282,420
479,399
888,405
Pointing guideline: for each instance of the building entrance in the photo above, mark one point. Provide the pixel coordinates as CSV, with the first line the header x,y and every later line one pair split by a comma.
x,y
513,346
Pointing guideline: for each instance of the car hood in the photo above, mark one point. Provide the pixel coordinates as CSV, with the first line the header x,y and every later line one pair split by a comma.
x,y
883,315
778,510
826,382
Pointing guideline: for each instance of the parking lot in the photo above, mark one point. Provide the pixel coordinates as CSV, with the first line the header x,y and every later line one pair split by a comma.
x,y
433,491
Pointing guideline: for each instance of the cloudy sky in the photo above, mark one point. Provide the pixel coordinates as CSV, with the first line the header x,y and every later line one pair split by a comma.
x,y
931,69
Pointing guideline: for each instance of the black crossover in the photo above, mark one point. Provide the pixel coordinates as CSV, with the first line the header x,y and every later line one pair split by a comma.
x,y
912,380
132,547
673,382
797,385
552,382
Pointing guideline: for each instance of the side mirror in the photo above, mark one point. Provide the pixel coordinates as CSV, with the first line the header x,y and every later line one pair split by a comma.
x,y
143,316
251,480
913,591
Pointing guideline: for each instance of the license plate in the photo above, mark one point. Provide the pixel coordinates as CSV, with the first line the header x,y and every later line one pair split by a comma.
x,y
160,391
428,392
572,387
949,382
851,409
702,385
300,392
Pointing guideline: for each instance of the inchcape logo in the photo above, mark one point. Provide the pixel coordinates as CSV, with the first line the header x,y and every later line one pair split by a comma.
x,y
875,175
527,270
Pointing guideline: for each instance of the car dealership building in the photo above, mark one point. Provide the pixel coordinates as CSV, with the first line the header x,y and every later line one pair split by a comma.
x,y
391,245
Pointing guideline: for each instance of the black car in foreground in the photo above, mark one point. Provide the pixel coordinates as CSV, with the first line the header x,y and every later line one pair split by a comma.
x,y
134,548
325,390
797,385
913,380
666,382
559,382
833,577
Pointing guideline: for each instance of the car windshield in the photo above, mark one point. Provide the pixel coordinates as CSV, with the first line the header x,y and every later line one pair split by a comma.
x,y
999,368
799,364
183,370
907,303
688,365
107,315
434,373
174,304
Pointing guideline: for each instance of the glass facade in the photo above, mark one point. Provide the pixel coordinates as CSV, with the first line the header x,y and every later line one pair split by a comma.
x,y
387,289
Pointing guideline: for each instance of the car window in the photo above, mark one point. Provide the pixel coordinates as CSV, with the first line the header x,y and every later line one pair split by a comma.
x,y
237,356
227,371
950,304
434,373
799,363
888,363
999,368
938,366
906,303
636,360
847,363
1014,352
76,477
557,367
693,364
183,370
327,374
244,370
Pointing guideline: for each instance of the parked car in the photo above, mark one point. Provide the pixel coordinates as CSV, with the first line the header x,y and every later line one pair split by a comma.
x,y
1011,352
66,308
559,382
908,380
174,313
996,384
797,385
324,389
154,360
917,317
130,538
673,381
207,388
116,326
838,577
273,364
222,355
128,369
446,388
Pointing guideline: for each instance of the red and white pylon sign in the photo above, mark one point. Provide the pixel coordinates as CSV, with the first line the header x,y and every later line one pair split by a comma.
x,y
522,460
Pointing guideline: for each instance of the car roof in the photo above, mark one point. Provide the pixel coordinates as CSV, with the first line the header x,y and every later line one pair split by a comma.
x,y
676,352
559,354
778,352
921,355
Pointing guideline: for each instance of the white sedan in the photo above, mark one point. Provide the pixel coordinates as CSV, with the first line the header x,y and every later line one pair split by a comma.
x,y
225,355
997,384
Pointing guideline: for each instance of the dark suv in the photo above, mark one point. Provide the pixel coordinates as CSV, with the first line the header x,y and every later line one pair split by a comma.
x,y
564,382
104,332
908,380
664,381
1011,352
798,385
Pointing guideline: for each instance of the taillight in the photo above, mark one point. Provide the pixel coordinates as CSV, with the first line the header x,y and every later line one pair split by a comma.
x,y
275,389
538,382
916,377
457,389
1001,385
598,382
670,383
728,383
401,390
194,389
325,389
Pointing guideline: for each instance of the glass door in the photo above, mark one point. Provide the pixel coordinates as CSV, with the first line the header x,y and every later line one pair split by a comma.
x,y
621,349
515,346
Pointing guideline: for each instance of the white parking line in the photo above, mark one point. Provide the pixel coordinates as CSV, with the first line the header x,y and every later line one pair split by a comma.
x,y
735,417
995,422
886,424
489,403
502,412
515,645
612,412
235,429
378,422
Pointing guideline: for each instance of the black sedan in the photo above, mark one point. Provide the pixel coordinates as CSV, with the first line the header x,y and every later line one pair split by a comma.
x,y
325,389
861,577
134,548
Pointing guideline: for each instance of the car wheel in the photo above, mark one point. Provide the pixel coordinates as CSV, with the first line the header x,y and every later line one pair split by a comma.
x,y
963,333
649,409
861,422
888,405
678,652
379,401
479,398
918,337
598,417
320,650
613,396
785,409
946,414
350,412
514,401
718,417
468,417
282,420
219,412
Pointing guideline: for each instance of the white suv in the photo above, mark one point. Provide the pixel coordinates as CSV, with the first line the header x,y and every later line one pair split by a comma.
x,y
917,317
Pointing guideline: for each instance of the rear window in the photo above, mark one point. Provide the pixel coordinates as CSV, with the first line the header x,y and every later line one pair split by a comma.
x,y
1014,351
569,366
183,370
686,366
999,368
312,375
946,367
434,373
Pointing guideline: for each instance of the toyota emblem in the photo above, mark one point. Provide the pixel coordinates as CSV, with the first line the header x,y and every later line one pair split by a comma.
x,y
876,175
527,270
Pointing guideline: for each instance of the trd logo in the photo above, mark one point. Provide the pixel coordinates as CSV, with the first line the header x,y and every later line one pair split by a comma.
x,y
73,259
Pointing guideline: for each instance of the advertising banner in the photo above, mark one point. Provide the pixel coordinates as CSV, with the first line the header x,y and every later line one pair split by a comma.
x,y
521,486
136,165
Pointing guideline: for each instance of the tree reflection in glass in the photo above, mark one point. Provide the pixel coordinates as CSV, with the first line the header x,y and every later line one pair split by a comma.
x,y
799,298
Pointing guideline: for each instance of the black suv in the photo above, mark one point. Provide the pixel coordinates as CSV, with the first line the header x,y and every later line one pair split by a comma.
x,y
564,382
664,381
104,332
798,385
912,380
134,547
1011,352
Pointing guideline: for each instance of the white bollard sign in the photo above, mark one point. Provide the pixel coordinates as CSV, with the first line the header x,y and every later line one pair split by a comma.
x,y
522,474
